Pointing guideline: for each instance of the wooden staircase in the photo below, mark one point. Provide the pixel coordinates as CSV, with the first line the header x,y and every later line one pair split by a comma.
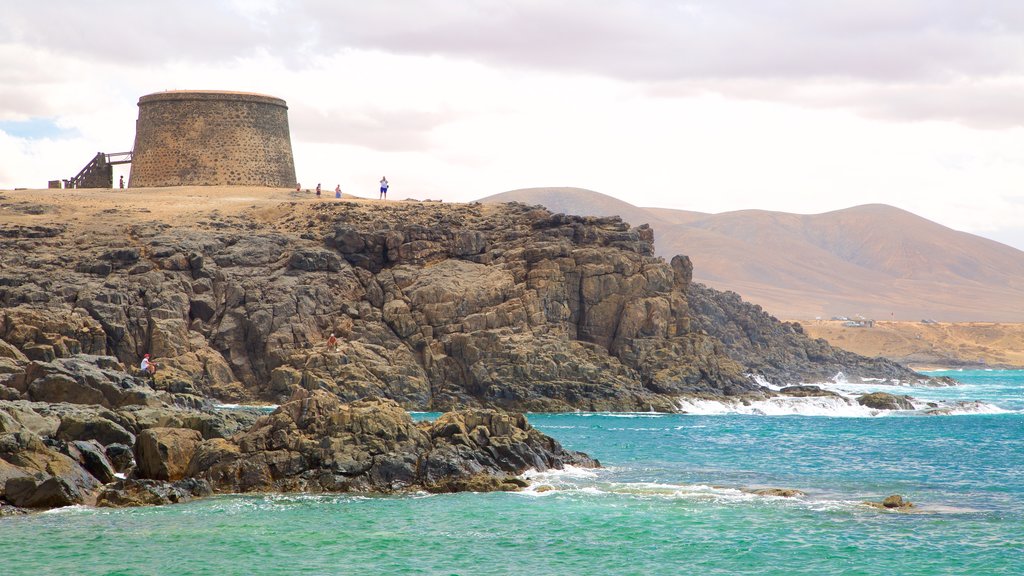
x,y
99,172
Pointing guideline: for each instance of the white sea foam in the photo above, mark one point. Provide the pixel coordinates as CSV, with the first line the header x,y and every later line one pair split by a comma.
x,y
254,407
622,414
763,382
73,509
963,408
780,406
568,472
832,406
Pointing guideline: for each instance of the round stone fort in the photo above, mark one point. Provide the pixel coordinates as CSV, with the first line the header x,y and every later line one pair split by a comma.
x,y
212,138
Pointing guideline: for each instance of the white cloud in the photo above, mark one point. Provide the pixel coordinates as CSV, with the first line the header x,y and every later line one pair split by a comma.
x,y
712,106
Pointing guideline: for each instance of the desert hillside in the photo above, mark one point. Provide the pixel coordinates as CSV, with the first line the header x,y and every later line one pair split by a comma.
x,y
875,261
929,345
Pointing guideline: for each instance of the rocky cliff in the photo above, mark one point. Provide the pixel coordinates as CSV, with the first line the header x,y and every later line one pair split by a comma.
x,y
435,306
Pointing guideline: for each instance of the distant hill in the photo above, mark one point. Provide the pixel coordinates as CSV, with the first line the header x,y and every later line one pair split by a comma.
x,y
874,261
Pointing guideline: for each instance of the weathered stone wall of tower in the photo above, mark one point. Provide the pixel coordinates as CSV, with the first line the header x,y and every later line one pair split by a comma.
x,y
204,138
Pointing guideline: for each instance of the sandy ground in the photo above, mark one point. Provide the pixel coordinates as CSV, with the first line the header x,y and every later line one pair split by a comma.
x,y
937,345
101,208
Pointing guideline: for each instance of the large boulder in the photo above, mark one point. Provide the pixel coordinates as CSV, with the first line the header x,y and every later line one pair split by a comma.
x,y
91,455
164,453
885,401
893,502
86,426
36,475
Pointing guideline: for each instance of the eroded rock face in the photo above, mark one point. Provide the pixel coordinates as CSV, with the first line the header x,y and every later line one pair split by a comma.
x,y
315,443
436,306
37,476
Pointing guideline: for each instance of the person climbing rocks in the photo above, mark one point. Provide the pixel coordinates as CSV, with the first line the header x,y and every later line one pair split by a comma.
x,y
337,191
332,344
147,366
383,188
317,189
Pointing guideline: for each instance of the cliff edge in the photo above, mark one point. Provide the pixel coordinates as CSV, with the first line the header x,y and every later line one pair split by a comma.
x,y
436,306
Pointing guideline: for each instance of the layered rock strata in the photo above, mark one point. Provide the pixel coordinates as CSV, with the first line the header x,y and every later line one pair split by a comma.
x,y
436,306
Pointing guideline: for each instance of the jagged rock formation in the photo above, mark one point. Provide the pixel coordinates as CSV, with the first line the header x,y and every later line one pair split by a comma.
x,y
313,443
436,306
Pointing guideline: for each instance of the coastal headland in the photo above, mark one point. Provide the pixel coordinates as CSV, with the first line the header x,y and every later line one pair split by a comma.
x,y
236,291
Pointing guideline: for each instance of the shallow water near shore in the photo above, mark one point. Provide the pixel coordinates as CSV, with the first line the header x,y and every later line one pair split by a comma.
x,y
668,502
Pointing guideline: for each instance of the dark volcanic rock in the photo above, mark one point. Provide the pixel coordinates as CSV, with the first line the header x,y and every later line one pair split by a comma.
x,y
779,351
84,379
894,502
164,453
315,443
85,426
436,306
779,492
36,475
134,492
885,401
806,391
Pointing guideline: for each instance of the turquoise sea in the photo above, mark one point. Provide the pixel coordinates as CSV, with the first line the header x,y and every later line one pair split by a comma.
x,y
668,502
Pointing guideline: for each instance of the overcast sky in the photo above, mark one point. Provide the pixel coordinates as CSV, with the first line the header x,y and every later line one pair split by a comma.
x,y
798,106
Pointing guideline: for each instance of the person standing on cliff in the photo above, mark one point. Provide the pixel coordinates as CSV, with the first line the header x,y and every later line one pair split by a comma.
x,y
383,188
337,191
120,182
317,189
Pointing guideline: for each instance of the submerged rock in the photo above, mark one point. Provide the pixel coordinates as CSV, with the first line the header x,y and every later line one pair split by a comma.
x,y
894,502
885,401
780,492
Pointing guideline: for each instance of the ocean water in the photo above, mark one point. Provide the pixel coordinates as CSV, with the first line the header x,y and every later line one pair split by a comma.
x,y
669,501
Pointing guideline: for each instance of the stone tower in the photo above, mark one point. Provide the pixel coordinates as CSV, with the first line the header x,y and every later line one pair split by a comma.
x,y
210,138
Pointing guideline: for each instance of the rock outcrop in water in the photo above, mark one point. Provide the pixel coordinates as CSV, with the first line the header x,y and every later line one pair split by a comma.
x,y
313,443
436,307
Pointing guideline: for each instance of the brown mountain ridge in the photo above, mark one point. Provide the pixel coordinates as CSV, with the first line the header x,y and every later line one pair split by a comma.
x,y
873,261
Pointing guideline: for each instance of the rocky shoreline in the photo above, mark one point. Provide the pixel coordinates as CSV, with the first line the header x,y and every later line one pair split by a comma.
x,y
471,309
54,455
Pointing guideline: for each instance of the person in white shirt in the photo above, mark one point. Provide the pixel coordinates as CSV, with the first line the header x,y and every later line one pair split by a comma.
x,y
147,366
